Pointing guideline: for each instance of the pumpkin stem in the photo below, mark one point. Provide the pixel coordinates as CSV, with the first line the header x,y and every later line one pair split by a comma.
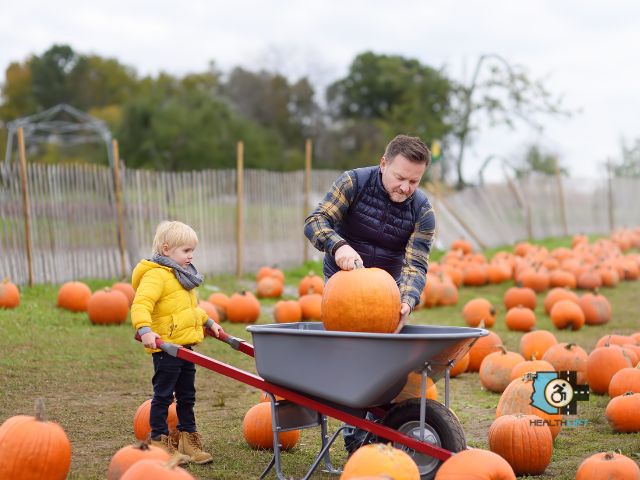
x,y
503,349
39,408
609,456
569,346
140,445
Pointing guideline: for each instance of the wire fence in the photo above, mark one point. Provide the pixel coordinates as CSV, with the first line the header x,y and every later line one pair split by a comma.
x,y
74,230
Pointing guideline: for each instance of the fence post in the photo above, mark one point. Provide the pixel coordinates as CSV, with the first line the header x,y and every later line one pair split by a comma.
x,y
563,211
119,206
25,204
611,210
307,193
239,205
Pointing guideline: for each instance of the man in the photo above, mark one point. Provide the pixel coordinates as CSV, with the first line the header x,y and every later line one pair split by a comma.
x,y
377,216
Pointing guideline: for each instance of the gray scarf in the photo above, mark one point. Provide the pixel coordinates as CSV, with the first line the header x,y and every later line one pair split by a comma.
x,y
188,277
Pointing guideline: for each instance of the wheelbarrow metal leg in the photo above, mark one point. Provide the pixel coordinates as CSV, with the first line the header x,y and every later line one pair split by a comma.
x,y
324,454
423,400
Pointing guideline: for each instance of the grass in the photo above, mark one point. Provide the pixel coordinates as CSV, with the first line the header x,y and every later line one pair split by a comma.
x,y
93,378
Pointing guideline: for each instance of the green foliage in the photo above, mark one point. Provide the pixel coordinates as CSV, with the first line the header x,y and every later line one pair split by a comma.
x,y
539,161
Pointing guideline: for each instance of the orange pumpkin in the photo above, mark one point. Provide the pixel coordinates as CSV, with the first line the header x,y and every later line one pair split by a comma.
x,y
555,295
9,294
221,302
312,283
474,275
157,469
269,287
268,272
537,280
568,357
530,366
108,307
622,413
614,339
141,427
520,296
520,442
311,306
127,456
74,296
562,278
625,380
448,293
516,398
536,343
287,311
602,365
361,300
210,310
520,319
477,310
606,466
432,291
589,280
566,314
257,429
33,448
243,307
380,459
475,463
596,308
125,288
495,370
460,366
463,245
413,388
481,348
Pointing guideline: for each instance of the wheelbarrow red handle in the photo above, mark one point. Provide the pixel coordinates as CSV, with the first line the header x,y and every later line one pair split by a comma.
x,y
233,342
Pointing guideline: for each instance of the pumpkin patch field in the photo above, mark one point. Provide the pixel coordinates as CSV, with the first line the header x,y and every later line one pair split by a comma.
x,y
93,377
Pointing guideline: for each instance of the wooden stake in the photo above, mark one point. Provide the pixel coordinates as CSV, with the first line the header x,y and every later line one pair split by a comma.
x,y
239,205
25,204
307,193
119,207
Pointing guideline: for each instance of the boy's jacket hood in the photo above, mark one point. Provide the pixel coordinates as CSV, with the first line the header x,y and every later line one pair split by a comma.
x,y
143,267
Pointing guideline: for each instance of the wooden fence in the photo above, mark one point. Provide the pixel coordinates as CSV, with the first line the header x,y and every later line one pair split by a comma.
x,y
73,216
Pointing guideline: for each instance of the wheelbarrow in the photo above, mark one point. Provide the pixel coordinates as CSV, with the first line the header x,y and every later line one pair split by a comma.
x,y
347,375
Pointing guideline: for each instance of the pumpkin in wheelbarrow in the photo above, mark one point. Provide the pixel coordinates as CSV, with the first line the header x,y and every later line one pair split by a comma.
x,y
361,300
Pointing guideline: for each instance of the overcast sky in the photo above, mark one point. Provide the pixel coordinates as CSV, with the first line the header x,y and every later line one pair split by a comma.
x,y
587,51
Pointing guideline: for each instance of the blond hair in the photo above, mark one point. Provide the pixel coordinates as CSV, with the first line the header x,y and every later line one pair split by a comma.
x,y
173,234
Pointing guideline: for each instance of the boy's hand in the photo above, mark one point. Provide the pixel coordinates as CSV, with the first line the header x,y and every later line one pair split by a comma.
x,y
149,339
216,329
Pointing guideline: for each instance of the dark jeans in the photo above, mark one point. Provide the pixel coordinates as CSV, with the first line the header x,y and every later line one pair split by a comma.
x,y
353,436
172,375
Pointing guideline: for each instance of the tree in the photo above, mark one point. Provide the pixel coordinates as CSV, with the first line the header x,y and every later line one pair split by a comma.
x,y
505,94
381,96
49,74
537,160
629,163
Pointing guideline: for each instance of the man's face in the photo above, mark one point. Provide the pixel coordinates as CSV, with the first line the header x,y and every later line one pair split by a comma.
x,y
401,177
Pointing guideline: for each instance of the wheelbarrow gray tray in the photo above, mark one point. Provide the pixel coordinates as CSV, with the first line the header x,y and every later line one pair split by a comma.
x,y
354,369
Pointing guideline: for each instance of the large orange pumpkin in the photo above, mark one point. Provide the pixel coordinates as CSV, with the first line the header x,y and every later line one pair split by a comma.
x,y
31,448
210,310
127,456
268,272
568,357
477,310
243,307
141,427
622,413
530,366
481,348
625,380
520,297
9,294
221,302
269,287
108,307
257,429
607,466
516,398
477,464
74,296
520,319
495,370
311,306
520,442
157,469
361,300
567,314
602,365
596,308
555,295
380,459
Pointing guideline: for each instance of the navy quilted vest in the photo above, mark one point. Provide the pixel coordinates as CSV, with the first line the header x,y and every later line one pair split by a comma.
x,y
375,227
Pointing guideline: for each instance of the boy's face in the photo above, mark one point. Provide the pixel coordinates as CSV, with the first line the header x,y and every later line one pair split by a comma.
x,y
182,254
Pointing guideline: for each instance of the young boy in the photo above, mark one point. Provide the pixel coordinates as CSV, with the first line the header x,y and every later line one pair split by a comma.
x,y
166,307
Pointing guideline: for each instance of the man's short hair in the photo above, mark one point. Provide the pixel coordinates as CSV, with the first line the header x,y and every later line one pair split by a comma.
x,y
412,148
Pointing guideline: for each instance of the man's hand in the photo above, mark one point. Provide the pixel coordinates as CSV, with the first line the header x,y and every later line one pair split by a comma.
x,y
149,339
405,310
346,257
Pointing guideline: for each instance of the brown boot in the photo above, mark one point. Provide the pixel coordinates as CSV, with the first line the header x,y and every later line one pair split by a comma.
x,y
165,442
190,444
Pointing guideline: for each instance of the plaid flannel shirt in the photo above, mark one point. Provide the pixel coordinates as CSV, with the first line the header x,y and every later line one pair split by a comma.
x,y
319,227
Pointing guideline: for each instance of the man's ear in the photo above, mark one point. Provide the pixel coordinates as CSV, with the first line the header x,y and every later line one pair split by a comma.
x,y
383,163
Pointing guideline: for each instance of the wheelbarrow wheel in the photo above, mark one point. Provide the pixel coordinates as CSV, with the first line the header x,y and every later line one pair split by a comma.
x,y
441,429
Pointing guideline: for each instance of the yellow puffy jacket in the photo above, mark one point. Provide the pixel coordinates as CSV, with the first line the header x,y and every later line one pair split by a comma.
x,y
162,304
